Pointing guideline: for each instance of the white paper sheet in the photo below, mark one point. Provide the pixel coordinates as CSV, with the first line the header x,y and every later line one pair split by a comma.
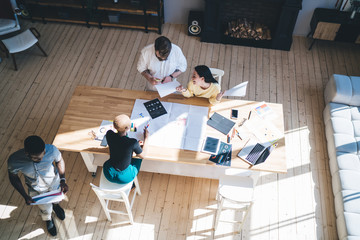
x,y
105,126
167,88
238,91
196,126
183,127
193,144
49,197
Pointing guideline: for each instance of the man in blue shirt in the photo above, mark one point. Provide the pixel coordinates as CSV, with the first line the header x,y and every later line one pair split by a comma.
x,y
35,162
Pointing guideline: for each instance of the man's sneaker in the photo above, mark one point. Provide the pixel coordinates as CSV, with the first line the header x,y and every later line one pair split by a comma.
x,y
51,227
60,213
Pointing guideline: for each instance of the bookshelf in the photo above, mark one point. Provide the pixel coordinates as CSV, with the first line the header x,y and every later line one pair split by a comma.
x,y
334,25
146,15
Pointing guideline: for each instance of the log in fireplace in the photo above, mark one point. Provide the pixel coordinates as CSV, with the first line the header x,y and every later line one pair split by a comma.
x,y
256,23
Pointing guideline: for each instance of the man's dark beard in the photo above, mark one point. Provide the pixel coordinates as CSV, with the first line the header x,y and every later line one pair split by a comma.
x,y
160,59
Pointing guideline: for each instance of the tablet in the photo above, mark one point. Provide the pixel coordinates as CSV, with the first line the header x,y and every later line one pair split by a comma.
x,y
211,145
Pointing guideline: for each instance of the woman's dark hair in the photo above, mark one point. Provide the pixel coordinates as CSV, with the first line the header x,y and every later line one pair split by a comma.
x,y
163,45
204,71
34,145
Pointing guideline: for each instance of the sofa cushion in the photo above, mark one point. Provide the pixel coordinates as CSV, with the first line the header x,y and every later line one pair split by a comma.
x,y
348,225
343,125
352,221
343,89
355,82
350,180
6,24
348,161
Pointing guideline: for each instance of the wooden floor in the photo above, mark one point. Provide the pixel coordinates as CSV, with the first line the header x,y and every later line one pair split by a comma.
x,y
296,205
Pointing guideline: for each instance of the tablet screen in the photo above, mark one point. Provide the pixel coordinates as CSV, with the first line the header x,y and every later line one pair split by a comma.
x,y
211,145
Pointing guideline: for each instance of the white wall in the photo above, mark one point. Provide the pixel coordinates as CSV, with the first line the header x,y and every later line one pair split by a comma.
x,y
176,11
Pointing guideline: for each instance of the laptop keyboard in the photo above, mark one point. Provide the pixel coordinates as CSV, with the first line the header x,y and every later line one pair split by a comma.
x,y
255,153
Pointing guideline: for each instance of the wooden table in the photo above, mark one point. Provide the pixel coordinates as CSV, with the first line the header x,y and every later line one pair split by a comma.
x,y
90,105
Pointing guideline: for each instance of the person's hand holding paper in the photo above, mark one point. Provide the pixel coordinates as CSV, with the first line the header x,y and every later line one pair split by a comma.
x,y
167,88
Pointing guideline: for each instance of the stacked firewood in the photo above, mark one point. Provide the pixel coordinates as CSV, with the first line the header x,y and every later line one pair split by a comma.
x,y
242,28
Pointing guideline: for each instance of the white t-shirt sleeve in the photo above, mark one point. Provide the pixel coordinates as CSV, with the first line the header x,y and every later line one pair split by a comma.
x,y
142,63
54,152
181,60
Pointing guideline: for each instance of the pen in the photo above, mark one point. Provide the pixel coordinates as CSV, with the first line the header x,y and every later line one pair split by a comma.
x,y
238,134
249,115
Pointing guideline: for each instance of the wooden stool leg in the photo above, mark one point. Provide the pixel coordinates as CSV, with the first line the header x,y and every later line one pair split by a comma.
x,y
13,57
218,212
312,43
42,50
244,217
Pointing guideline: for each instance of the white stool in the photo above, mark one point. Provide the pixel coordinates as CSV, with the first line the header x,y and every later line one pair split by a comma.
x,y
108,191
22,42
238,191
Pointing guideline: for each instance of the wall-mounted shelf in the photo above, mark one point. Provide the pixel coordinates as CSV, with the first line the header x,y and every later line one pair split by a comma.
x,y
147,15
334,25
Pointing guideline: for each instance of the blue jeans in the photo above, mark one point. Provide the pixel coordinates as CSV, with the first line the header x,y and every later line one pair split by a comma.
x,y
125,176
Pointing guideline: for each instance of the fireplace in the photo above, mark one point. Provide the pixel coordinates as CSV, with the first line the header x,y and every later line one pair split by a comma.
x,y
256,23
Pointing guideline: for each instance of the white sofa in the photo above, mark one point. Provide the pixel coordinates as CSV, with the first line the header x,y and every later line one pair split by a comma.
x,y
342,129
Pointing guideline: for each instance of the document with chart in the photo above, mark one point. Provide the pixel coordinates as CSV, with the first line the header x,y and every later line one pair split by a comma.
x,y
183,126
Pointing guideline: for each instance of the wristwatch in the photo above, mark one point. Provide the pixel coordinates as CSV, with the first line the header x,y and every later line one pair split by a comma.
x,y
172,77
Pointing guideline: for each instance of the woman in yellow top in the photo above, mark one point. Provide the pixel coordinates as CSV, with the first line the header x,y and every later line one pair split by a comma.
x,y
202,84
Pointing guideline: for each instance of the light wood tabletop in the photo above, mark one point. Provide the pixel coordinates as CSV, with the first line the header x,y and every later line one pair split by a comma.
x,y
90,105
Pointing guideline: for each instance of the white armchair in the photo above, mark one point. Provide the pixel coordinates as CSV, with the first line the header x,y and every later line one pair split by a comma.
x,y
217,74
9,21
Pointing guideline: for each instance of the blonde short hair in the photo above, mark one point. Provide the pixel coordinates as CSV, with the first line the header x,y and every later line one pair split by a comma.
x,y
122,122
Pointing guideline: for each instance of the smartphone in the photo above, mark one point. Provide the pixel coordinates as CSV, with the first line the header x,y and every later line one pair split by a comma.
x,y
104,142
234,113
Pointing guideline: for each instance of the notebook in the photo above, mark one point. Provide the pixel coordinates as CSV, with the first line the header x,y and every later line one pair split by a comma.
x,y
255,152
155,108
220,123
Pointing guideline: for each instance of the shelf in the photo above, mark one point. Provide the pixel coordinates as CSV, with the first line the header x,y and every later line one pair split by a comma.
x,y
127,7
334,25
69,15
62,3
97,12
131,21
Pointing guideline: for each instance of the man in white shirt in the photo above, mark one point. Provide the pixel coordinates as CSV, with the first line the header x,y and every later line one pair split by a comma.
x,y
161,62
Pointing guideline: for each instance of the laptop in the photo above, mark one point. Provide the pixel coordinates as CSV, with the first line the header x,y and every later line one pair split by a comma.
x,y
255,152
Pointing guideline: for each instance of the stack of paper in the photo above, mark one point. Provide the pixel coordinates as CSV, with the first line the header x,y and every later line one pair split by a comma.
x,y
182,127
49,197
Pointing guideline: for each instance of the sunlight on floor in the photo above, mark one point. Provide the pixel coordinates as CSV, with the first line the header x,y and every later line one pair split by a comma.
x,y
90,219
33,234
86,236
6,211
